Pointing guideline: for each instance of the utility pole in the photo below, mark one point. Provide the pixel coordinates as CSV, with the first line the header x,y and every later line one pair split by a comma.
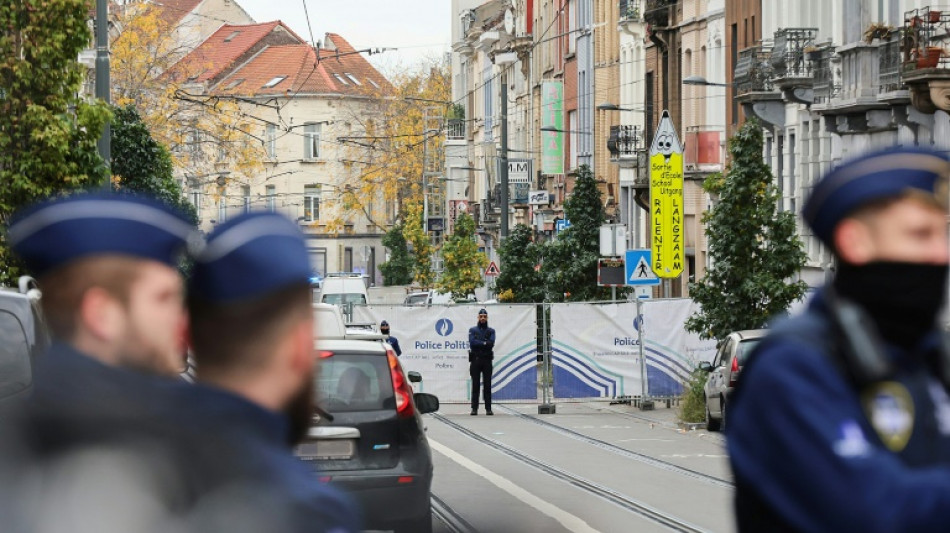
x,y
102,81
503,174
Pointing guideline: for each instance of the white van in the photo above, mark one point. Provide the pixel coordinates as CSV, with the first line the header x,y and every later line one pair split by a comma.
x,y
343,289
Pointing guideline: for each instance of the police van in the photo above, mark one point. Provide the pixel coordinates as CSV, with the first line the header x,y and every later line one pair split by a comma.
x,y
23,337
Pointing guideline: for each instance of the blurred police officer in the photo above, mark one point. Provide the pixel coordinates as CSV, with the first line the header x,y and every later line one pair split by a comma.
x,y
393,341
481,344
841,421
113,301
252,333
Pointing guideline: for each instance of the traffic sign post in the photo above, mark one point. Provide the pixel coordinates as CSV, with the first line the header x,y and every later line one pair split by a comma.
x,y
562,225
638,270
666,200
492,269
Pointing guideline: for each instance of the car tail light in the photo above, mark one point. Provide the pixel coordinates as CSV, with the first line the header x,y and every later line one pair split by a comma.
x,y
323,354
734,371
404,407
405,479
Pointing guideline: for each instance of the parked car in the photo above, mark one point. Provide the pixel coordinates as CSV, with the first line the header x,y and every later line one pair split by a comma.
x,y
724,372
23,337
369,439
344,289
429,298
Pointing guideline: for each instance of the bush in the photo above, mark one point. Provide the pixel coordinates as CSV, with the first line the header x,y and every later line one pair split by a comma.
x,y
693,400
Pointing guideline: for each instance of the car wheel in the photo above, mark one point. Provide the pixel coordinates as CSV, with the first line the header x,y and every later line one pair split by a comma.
x,y
422,524
711,423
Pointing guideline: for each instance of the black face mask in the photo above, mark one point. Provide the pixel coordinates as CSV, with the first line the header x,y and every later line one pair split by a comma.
x,y
903,299
385,331
299,411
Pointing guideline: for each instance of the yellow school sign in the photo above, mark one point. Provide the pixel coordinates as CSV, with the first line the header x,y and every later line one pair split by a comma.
x,y
666,200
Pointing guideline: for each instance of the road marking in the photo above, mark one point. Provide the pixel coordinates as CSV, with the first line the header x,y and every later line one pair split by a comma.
x,y
569,521
643,440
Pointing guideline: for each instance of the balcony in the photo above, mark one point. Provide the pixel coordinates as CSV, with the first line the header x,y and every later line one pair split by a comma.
x,y
891,86
630,10
827,76
658,13
791,59
925,36
455,129
754,89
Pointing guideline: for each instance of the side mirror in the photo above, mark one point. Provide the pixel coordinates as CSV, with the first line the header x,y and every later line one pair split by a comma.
x,y
426,403
414,377
705,366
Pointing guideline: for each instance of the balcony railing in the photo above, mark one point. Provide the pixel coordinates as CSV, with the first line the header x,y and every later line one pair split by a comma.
x,y
924,38
625,141
629,10
753,71
455,129
788,57
657,12
889,71
827,76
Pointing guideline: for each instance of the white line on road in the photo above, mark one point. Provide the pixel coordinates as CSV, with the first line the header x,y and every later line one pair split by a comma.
x,y
569,521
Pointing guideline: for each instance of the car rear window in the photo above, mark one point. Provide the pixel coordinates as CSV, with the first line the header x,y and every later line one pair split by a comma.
x,y
16,373
745,348
349,382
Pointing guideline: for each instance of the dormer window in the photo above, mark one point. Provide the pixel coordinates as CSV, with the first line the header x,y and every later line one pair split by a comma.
x,y
231,37
340,79
234,83
274,81
353,78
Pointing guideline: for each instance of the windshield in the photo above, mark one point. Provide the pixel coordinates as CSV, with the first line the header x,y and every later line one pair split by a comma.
x,y
354,382
345,298
745,348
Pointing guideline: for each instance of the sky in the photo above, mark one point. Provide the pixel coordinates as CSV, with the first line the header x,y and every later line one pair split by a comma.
x,y
418,28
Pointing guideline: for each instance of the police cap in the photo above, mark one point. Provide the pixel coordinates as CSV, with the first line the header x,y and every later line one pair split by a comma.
x,y
61,230
876,176
251,255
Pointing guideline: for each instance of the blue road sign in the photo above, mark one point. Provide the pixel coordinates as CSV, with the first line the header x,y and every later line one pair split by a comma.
x,y
637,268
562,225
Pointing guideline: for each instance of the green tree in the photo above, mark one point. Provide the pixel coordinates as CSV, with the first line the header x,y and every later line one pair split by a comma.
x,y
520,256
48,133
569,264
141,164
755,250
422,248
463,263
398,270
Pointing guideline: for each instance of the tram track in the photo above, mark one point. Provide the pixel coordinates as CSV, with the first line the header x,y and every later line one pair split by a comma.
x,y
635,506
623,452
452,520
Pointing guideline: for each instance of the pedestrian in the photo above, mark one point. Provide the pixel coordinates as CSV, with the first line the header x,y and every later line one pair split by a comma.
x,y
252,335
112,298
393,341
481,344
841,420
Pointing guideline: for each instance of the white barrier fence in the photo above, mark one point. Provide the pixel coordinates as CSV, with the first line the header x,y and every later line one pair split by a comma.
x,y
595,350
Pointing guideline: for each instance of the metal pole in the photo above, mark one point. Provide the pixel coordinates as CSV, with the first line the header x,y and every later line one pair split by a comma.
x,y
645,404
504,157
546,407
102,81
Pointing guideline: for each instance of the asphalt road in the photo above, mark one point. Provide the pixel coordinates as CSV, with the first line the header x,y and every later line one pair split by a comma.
x,y
591,467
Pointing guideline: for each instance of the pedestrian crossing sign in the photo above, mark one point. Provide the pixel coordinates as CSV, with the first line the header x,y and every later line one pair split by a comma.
x,y
638,269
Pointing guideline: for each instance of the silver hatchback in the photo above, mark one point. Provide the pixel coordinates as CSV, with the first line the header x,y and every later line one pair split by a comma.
x,y
724,373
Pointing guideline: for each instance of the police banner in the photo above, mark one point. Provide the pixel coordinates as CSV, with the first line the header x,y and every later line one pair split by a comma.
x,y
596,349
434,342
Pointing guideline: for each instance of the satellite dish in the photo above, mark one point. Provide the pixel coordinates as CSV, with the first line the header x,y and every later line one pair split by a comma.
x,y
509,22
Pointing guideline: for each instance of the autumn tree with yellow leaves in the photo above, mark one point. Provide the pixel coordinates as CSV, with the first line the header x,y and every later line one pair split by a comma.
x,y
463,262
422,250
205,134
386,150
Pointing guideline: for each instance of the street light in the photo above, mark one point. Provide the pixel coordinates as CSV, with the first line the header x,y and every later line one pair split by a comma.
x,y
699,80
606,106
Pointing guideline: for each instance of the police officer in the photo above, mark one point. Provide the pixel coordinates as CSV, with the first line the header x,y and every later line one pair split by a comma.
x,y
252,334
481,343
393,341
113,302
841,421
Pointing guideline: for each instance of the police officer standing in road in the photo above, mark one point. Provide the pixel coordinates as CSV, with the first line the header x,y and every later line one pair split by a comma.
x,y
393,341
481,344
841,420
252,334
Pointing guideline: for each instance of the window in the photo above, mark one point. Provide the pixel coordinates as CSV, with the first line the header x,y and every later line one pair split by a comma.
x,y
488,99
222,209
270,140
274,81
373,83
311,142
246,195
340,79
196,201
572,128
271,197
231,37
235,83
353,78
571,26
311,203
15,364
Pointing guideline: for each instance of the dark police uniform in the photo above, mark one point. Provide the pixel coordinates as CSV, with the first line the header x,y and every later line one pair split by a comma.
x,y
481,343
393,341
831,428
